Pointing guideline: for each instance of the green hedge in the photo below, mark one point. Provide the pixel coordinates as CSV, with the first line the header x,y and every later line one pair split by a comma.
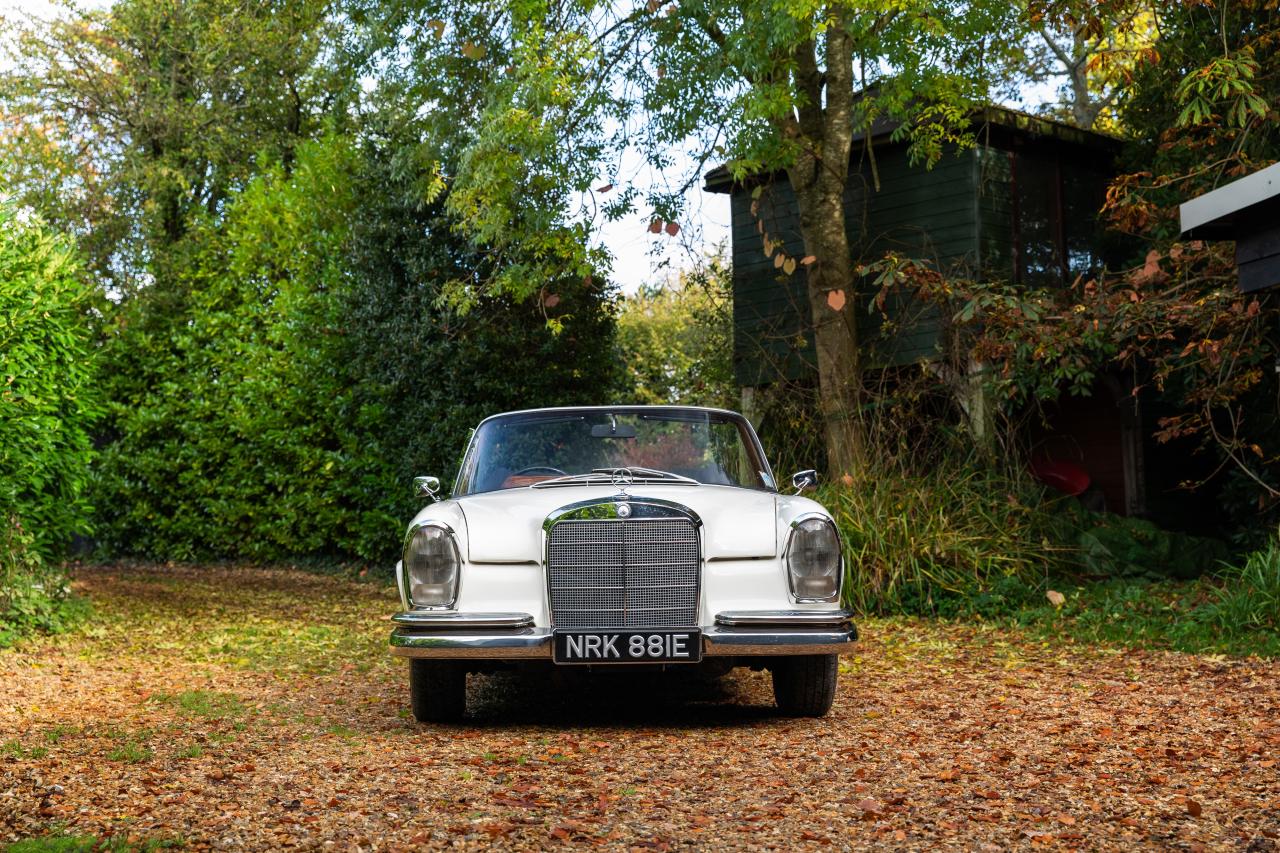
x,y
274,401
47,407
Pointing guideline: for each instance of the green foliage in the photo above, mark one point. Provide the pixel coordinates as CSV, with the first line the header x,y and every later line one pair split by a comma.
x,y
88,844
1202,112
675,342
48,395
315,369
34,594
1115,546
423,374
226,434
540,101
48,404
126,125
1235,612
1249,598
1225,83
962,542
925,541
55,844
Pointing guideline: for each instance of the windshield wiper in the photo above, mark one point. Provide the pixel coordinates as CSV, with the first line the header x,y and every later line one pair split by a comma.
x,y
609,476
646,473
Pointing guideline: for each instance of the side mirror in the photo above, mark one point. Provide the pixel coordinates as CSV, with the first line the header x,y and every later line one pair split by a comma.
x,y
426,487
806,479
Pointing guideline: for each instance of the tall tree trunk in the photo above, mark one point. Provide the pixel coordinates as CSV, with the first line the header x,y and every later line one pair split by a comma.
x,y
823,127
831,283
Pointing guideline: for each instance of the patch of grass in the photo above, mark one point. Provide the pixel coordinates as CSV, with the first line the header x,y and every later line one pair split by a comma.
x,y
90,844
204,704
341,731
1181,616
59,844
295,622
57,733
195,750
131,752
287,646
14,749
1235,612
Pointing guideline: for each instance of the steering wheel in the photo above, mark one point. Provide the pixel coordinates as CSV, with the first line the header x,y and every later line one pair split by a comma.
x,y
539,469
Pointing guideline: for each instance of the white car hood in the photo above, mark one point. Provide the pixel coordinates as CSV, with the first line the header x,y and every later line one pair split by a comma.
x,y
506,526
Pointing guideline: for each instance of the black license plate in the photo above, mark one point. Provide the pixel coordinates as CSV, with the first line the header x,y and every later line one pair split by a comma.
x,y
604,646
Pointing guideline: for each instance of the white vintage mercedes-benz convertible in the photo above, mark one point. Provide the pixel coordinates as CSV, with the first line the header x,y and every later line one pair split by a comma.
x,y
620,536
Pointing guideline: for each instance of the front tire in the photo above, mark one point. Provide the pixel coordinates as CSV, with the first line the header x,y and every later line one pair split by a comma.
x,y
805,685
437,691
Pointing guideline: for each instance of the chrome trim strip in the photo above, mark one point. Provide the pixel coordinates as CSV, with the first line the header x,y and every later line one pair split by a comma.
x,y
400,584
536,643
462,621
785,618
766,641
527,643
606,508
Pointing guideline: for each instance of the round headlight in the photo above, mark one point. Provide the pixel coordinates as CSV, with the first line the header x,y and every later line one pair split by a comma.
x,y
431,566
813,560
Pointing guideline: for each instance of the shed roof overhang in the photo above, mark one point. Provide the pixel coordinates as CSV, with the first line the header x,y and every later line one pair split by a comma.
x,y
1004,121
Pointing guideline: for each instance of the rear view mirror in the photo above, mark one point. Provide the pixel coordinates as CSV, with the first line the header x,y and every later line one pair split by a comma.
x,y
806,479
613,430
426,487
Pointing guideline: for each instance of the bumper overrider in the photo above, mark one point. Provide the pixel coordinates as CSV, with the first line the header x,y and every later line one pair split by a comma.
x,y
513,636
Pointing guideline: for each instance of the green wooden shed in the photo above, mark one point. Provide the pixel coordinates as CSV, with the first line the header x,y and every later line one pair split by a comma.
x,y
1021,205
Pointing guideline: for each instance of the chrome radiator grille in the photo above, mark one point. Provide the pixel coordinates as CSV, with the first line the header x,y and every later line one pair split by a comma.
x,y
641,573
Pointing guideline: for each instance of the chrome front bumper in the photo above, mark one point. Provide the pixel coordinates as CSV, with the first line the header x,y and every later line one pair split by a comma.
x,y
512,636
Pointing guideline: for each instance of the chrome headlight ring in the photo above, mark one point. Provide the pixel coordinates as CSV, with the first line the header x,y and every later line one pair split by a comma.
x,y
430,566
814,559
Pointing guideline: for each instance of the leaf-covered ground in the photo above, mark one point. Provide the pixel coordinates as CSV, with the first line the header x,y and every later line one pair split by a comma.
x,y
244,708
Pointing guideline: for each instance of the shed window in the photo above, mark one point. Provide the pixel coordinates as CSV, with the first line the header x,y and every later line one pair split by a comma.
x,y
1055,227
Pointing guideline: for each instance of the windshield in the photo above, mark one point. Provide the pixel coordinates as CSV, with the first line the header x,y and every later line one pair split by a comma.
x,y
671,445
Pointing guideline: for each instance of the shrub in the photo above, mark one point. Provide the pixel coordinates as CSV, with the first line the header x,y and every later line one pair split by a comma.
x,y
34,593
47,376
1249,598
950,539
274,402
225,388
47,369
675,342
